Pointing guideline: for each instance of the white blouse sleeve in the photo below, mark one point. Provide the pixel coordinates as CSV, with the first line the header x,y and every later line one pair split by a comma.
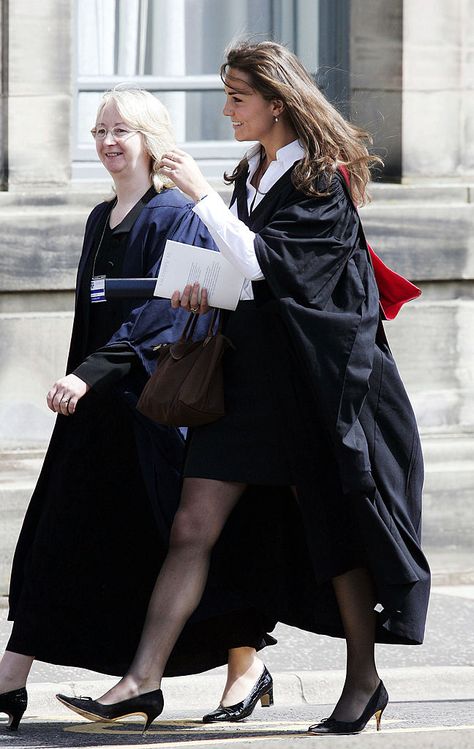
x,y
233,238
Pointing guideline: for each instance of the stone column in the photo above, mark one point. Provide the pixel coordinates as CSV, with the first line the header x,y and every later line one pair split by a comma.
x,y
412,84
37,92
376,73
438,88
3,93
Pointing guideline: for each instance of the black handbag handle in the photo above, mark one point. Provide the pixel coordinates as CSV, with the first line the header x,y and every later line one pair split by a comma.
x,y
191,322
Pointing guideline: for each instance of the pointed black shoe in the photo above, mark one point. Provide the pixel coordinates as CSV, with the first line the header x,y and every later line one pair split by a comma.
x,y
150,705
14,704
375,706
263,691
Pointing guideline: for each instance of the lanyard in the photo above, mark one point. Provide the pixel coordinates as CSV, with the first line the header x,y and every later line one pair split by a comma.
x,y
97,291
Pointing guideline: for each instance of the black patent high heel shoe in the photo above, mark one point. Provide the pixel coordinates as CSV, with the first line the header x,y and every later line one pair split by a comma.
x,y
375,706
14,704
263,691
149,705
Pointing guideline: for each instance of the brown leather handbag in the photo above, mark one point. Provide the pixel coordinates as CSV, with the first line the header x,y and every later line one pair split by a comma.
x,y
187,387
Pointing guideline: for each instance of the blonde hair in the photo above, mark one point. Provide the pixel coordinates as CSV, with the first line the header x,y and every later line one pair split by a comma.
x,y
327,138
144,112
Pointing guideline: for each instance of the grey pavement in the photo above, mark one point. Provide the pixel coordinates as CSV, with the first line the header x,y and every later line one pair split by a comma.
x,y
431,689
425,725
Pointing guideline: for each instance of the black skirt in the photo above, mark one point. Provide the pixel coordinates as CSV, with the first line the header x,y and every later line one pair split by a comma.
x,y
254,443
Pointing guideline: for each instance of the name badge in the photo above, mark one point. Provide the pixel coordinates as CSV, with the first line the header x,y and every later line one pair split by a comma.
x,y
98,289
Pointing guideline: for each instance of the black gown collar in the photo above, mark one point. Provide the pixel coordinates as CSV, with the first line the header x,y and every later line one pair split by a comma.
x,y
267,200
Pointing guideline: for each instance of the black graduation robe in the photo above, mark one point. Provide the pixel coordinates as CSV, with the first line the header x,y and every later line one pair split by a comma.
x,y
360,482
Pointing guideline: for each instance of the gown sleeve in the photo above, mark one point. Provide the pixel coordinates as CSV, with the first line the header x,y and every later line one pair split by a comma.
x,y
305,247
317,269
106,366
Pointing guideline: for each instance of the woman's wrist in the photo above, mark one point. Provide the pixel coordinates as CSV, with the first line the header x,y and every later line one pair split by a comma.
x,y
201,193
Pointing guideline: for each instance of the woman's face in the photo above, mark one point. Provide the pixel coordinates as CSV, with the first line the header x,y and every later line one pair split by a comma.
x,y
252,116
121,152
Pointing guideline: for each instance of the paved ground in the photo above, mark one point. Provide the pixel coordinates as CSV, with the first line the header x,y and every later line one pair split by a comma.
x,y
431,689
403,725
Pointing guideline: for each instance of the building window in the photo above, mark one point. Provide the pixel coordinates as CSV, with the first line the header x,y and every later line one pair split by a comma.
x,y
174,48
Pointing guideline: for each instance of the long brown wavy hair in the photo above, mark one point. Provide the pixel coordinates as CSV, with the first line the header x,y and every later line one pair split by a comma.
x,y
327,138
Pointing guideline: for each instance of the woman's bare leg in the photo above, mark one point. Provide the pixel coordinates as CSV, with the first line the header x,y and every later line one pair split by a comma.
x,y
204,508
356,600
14,671
244,668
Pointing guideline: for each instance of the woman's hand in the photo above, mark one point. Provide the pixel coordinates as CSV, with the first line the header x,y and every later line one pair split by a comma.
x,y
180,167
65,393
189,299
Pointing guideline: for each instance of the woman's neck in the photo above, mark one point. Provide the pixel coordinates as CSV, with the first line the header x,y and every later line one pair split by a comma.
x,y
278,139
129,191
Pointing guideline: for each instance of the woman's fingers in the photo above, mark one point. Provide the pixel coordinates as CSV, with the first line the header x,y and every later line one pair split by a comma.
x,y
192,299
50,398
58,400
204,306
65,394
180,167
186,296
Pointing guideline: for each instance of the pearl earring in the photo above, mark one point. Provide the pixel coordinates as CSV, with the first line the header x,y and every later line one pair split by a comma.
x,y
275,119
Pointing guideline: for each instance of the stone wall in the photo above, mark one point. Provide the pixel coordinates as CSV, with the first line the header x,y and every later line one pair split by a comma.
x,y
438,88
37,88
412,84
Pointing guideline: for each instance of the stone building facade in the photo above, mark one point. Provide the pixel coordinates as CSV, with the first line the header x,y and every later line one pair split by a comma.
x,y
409,76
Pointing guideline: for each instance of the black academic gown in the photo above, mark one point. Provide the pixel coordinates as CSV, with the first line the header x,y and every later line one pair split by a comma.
x,y
96,530
360,473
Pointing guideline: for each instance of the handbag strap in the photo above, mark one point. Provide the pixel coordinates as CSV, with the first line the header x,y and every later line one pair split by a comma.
x,y
189,328
191,322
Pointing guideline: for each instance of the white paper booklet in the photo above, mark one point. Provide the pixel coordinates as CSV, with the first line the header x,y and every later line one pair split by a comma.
x,y
184,263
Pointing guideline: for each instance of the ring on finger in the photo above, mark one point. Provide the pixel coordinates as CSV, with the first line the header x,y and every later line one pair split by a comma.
x,y
194,309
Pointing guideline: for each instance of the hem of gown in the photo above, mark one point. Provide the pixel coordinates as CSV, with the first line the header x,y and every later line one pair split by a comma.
x,y
182,666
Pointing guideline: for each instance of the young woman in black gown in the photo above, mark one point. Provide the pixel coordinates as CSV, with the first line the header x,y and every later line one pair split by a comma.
x,y
308,491
97,527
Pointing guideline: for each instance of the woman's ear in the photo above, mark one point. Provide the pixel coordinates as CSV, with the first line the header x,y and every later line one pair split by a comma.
x,y
277,107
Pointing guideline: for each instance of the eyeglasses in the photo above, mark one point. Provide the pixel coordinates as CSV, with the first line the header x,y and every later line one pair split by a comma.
x,y
118,133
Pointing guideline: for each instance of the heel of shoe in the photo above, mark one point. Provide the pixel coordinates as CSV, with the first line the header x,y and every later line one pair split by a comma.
x,y
266,700
378,718
150,717
15,720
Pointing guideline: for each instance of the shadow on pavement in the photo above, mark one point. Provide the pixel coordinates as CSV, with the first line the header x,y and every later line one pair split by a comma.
x,y
54,734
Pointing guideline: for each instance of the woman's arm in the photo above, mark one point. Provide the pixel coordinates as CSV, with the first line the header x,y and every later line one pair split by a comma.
x,y
232,236
106,366
234,239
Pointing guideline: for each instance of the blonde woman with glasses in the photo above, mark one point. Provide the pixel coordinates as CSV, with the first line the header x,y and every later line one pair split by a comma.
x,y
96,530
